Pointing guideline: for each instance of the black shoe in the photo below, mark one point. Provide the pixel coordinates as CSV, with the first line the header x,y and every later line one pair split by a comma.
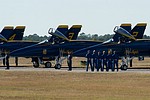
x,y
6,68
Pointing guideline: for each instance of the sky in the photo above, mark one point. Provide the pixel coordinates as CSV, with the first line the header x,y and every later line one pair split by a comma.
x,y
95,16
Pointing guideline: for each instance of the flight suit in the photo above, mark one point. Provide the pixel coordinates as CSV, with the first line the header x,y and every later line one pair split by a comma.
x,y
16,61
109,62
7,62
89,60
94,61
99,61
104,61
69,62
115,61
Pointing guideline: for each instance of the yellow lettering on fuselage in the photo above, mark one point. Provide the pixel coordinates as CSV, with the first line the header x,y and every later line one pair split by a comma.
x,y
133,52
44,51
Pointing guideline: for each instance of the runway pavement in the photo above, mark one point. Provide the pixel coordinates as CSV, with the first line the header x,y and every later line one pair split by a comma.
x,y
76,69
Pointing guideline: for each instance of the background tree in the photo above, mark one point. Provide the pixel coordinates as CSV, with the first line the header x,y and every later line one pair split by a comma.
x,y
82,36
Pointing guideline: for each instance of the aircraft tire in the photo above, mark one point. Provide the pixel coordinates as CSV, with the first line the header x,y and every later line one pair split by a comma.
x,y
58,66
48,65
35,64
124,67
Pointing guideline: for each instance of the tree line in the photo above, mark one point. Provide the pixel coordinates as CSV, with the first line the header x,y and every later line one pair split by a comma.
x,y
82,36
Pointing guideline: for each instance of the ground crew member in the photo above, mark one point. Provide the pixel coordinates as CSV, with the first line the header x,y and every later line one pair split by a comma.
x,y
89,60
7,63
94,60
16,61
115,60
99,60
69,61
109,61
104,60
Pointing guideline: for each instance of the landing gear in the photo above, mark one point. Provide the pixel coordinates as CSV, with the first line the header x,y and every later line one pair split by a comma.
x,y
58,66
48,65
124,67
125,62
35,64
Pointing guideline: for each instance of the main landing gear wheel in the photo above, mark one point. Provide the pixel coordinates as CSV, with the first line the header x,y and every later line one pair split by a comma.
x,y
48,65
35,64
57,66
124,67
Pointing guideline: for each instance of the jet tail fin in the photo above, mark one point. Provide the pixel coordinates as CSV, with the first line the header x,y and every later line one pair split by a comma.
x,y
60,35
126,26
138,30
18,33
7,32
62,28
73,32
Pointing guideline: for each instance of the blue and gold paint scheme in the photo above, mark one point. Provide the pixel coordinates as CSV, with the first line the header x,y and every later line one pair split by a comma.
x,y
73,32
7,32
126,26
138,30
18,33
61,29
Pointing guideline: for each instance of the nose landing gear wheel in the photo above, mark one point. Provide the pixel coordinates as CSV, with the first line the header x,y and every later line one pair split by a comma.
x,y
124,67
58,66
48,65
35,64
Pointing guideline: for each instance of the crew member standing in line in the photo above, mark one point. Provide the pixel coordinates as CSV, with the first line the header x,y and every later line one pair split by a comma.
x,y
94,60
89,61
109,61
99,60
115,60
69,61
104,60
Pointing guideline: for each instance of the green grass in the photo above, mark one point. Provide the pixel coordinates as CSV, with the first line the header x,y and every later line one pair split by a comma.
x,y
48,85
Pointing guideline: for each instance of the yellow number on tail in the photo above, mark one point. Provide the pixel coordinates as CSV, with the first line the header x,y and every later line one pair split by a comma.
x,y
71,36
135,34
12,37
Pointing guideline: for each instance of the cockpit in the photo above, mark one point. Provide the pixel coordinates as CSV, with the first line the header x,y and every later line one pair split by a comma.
x,y
123,32
51,31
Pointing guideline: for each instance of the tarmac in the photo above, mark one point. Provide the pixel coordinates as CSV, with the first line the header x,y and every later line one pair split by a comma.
x,y
74,69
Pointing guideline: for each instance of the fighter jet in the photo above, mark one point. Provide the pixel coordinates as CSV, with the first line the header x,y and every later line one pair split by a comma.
x,y
10,46
78,47
10,34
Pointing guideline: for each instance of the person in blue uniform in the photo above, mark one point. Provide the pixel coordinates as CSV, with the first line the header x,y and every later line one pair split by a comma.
x,y
104,60
99,60
7,63
69,61
115,58
16,61
109,61
94,60
89,60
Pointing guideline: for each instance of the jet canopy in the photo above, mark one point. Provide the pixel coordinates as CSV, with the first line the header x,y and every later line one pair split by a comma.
x,y
57,33
123,32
